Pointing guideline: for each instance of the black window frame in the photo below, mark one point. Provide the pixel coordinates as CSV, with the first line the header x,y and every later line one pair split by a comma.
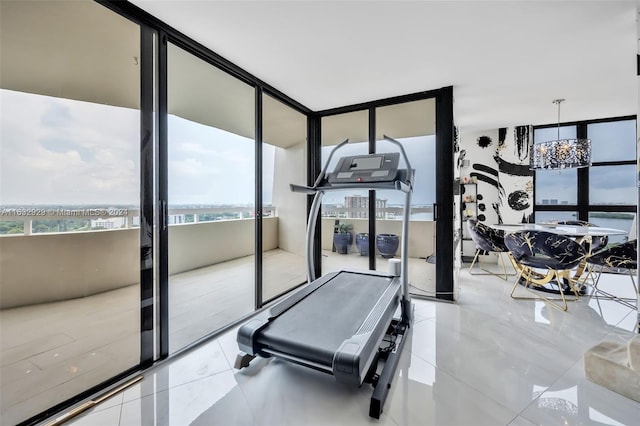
x,y
583,206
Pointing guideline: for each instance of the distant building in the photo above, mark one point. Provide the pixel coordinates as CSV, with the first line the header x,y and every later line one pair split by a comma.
x,y
109,223
176,219
553,202
361,202
331,210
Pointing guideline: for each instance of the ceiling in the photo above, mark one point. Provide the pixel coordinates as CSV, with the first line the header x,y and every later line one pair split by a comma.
x,y
41,52
507,61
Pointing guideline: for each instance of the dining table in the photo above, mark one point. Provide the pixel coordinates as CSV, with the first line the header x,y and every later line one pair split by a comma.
x,y
579,233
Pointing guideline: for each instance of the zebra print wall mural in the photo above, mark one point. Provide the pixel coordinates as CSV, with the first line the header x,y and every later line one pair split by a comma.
x,y
514,174
498,161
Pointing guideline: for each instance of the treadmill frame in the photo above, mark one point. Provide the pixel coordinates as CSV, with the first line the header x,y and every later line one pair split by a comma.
x,y
347,364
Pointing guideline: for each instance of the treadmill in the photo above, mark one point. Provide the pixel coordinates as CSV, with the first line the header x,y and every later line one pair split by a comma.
x,y
343,322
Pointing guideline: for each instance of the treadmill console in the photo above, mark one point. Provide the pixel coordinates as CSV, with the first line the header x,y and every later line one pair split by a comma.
x,y
366,168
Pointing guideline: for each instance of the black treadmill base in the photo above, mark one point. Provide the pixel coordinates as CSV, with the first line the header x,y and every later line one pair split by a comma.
x,y
382,382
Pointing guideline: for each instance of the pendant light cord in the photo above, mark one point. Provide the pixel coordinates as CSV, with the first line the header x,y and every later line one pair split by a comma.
x,y
558,101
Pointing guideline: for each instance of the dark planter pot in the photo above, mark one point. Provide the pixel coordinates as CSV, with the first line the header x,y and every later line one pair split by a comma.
x,y
362,242
387,244
342,241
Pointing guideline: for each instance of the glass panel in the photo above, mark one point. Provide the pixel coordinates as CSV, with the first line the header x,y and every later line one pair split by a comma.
x,y
551,133
554,186
70,179
613,185
343,212
613,141
284,154
211,175
550,217
413,125
623,221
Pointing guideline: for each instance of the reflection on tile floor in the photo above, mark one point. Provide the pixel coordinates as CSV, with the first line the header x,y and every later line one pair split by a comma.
x,y
486,360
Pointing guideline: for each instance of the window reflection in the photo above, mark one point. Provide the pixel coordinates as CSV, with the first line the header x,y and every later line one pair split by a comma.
x,y
211,198
70,197
555,216
613,185
610,181
284,212
555,187
335,214
613,141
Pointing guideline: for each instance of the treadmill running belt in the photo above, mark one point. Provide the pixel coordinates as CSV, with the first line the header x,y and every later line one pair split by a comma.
x,y
315,327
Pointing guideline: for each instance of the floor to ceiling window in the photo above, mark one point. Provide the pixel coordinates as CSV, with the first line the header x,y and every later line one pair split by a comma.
x,y
95,149
211,197
69,196
284,154
347,215
603,194
413,125
343,213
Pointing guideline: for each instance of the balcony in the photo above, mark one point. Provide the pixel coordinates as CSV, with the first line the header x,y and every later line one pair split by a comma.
x,y
70,313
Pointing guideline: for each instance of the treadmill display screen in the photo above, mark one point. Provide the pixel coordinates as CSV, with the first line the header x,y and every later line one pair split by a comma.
x,y
366,163
365,168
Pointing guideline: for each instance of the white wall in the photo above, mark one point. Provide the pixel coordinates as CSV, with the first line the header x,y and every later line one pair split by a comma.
x,y
480,150
421,234
52,267
498,159
516,203
193,246
290,167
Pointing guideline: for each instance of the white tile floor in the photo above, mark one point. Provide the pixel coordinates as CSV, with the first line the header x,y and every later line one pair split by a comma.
x,y
488,360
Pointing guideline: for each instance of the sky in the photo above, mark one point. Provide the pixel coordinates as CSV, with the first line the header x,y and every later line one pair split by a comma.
x,y
61,151
421,152
57,151
613,141
209,165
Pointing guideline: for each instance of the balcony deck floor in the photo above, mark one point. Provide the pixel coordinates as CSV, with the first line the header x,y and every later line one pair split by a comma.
x,y
51,352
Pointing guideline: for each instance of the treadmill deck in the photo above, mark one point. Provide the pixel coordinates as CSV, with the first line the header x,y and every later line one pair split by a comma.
x,y
315,327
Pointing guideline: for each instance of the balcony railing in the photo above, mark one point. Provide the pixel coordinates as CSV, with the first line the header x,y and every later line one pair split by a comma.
x,y
50,266
425,212
129,218
104,218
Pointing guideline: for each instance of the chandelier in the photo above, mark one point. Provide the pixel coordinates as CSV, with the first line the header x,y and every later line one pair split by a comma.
x,y
561,153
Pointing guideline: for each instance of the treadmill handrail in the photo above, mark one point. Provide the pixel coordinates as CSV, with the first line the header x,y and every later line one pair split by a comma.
x,y
323,173
404,155
398,185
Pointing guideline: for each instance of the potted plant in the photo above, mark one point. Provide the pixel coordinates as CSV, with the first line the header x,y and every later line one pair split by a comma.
x,y
387,244
362,242
342,237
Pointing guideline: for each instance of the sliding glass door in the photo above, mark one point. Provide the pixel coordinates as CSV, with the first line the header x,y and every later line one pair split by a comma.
x,y
211,198
284,155
413,125
70,202
347,238
344,213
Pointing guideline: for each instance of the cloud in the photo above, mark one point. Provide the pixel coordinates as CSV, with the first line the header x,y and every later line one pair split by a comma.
x,y
57,144
56,115
67,152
